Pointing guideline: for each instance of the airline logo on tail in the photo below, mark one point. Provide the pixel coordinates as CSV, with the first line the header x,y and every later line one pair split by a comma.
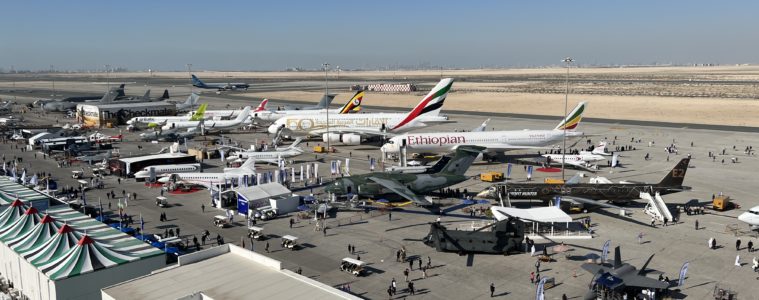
x,y
573,119
196,82
262,105
430,104
354,104
200,113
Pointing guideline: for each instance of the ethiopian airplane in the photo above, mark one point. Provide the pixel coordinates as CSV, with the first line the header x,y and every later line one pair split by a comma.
x,y
493,141
352,129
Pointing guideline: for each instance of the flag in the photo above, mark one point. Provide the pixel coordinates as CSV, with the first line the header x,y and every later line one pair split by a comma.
x,y
84,199
142,225
558,201
615,160
683,272
539,295
301,173
292,173
508,170
372,162
347,166
100,202
529,172
332,167
316,170
222,154
308,171
605,251
34,180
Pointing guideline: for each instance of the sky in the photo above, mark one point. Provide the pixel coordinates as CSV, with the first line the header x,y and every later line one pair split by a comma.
x,y
274,35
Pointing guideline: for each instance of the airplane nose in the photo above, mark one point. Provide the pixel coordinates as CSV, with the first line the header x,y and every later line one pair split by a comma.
x,y
273,128
389,148
485,194
743,217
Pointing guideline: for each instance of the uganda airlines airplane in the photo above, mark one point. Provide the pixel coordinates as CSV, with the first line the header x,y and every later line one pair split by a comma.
x,y
353,105
352,129
493,141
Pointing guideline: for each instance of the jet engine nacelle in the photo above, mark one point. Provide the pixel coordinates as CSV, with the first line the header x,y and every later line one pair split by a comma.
x,y
370,188
351,139
331,137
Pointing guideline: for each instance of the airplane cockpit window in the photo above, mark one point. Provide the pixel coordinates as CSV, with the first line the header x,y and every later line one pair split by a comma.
x,y
756,212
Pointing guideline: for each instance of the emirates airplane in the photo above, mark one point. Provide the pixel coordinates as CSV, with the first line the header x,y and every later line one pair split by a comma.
x,y
352,129
493,141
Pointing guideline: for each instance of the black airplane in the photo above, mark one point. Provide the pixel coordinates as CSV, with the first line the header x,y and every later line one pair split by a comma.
x,y
505,237
591,193
620,279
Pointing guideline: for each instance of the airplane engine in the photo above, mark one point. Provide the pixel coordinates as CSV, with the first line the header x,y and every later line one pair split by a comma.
x,y
370,189
331,137
351,139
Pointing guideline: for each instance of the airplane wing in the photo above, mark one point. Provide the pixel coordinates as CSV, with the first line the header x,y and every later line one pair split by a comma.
x,y
401,190
592,202
643,281
593,268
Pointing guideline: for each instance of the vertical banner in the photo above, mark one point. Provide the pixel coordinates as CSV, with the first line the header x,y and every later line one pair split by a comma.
x,y
614,160
539,295
332,168
292,174
683,272
316,170
557,200
372,163
605,251
529,172
308,171
258,178
221,152
347,166
508,170
301,173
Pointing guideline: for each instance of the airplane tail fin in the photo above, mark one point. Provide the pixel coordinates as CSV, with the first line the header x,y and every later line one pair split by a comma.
x,y
295,143
191,100
199,114
430,104
464,157
617,257
482,127
120,91
262,105
677,175
573,118
600,150
354,104
146,97
197,82
326,101
110,95
165,95
243,115
249,164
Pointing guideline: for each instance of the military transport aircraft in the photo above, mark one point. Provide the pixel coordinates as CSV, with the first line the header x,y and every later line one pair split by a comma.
x,y
408,186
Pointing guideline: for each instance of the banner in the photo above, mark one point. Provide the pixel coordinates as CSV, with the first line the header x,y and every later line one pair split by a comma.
x,y
332,168
316,170
308,171
508,170
301,173
372,163
683,272
539,295
347,166
292,174
605,251
614,160
557,200
529,172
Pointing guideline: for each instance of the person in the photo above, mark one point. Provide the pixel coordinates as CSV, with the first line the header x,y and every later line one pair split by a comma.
x,y
750,246
390,292
665,221
324,230
738,245
411,288
640,238
292,222
713,243
358,257
202,208
564,296
411,264
696,224
537,266
492,289
653,222
393,286
420,263
267,247
350,250
390,216
398,255
738,260
405,275
429,261
532,277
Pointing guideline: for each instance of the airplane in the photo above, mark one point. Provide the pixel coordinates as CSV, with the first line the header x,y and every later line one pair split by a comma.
x,y
582,160
751,217
352,129
621,278
420,169
99,137
324,103
7,107
210,125
196,82
591,193
213,179
169,135
229,113
153,121
408,186
162,170
493,141
188,104
353,105
96,157
271,157
53,105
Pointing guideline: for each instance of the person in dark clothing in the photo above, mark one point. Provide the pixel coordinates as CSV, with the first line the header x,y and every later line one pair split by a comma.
x,y
737,245
411,264
750,246
492,289
411,288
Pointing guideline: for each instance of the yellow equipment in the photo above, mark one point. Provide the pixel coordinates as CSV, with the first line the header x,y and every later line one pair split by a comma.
x,y
721,203
491,176
553,180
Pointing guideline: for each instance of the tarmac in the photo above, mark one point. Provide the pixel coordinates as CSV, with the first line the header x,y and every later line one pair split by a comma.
x,y
377,238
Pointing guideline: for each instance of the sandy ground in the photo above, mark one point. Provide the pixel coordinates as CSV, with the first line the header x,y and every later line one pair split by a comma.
x,y
670,109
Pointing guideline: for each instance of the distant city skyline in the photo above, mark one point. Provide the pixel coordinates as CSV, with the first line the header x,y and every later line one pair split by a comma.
x,y
273,35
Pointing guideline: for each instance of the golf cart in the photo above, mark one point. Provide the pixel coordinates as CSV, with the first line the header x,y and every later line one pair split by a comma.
x,y
256,232
353,266
77,174
289,241
161,201
220,221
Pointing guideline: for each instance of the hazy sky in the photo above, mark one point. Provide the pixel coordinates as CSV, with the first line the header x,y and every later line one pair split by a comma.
x,y
273,35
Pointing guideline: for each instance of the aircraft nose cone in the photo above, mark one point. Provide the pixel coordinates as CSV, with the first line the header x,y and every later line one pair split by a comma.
x,y
485,194
389,148
273,128
743,217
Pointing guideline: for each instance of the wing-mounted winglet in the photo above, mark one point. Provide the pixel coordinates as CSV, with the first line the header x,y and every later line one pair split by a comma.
x,y
482,127
642,270
618,257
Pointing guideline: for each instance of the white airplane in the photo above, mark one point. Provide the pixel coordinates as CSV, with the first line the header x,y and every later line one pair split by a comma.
x,y
751,217
213,179
154,121
493,141
99,137
210,125
582,160
229,113
353,105
271,157
352,129
163,170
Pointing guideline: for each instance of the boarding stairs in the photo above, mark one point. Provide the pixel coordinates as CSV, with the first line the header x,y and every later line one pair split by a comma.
x,y
656,207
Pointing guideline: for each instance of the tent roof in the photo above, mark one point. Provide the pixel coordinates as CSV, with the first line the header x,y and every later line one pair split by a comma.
x,y
86,256
539,214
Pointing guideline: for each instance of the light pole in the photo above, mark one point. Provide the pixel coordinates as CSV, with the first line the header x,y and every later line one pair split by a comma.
x,y
107,79
326,94
567,61
189,72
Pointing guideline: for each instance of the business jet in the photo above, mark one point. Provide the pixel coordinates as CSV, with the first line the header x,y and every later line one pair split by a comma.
x,y
751,217
212,179
352,129
583,160
271,157
493,141
163,170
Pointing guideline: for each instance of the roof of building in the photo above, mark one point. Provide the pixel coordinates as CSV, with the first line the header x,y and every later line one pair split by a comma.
x,y
131,104
225,272
262,191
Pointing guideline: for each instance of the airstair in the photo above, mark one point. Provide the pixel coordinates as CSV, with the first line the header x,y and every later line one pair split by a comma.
x,y
656,207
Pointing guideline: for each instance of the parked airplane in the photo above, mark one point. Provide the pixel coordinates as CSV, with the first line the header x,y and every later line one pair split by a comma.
x,y
154,121
751,217
99,137
583,160
271,157
163,170
353,105
210,125
352,129
95,156
591,193
213,179
71,102
492,141
408,186
324,103
622,278
6,107
188,104
218,86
